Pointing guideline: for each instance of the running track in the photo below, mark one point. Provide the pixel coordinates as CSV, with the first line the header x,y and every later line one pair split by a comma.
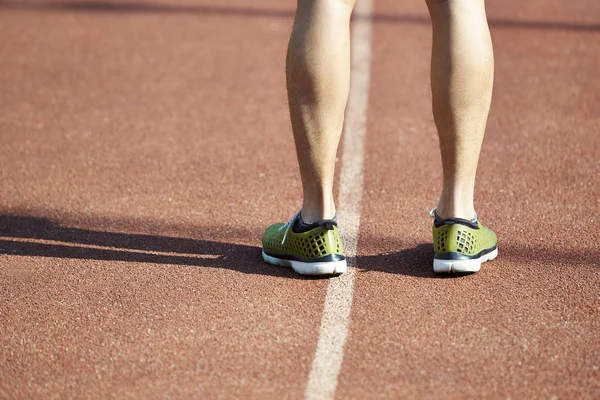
x,y
145,146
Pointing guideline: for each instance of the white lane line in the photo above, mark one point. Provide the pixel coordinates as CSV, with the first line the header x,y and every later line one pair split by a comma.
x,y
327,362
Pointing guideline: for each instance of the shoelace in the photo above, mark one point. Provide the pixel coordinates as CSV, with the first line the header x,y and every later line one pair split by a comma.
x,y
288,226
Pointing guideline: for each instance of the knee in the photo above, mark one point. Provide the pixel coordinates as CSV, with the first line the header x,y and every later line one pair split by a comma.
x,y
462,4
335,3
346,3
438,8
469,11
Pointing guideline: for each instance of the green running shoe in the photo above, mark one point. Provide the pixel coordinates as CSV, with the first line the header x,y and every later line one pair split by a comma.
x,y
314,249
460,245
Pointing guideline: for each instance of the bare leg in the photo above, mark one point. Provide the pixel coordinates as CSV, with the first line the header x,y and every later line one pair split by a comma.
x,y
462,74
318,82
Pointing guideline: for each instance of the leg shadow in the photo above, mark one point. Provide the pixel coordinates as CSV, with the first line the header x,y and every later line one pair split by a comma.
x,y
39,237
416,261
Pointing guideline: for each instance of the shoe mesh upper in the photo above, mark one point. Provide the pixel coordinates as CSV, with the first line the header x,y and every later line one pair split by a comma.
x,y
462,239
316,243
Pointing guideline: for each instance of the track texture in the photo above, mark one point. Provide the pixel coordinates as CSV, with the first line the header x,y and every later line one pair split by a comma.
x,y
145,146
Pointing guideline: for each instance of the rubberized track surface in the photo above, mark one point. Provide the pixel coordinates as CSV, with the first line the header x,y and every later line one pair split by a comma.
x,y
145,146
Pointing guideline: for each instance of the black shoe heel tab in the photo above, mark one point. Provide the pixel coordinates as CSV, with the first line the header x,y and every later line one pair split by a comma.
x,y
301,226
329,224
437,221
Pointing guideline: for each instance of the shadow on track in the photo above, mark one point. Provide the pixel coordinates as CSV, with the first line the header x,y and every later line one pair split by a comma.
x,y
40,237
155,7
30,236
417,261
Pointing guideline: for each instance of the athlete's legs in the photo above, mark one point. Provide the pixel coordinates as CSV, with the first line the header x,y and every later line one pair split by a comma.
x,y
462,73
318,82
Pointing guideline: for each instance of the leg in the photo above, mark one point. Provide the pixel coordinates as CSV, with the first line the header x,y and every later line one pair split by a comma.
x,y
318,82
462,73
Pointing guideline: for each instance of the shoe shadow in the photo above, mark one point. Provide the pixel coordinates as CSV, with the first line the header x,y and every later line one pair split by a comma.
x,y
416,261
40,237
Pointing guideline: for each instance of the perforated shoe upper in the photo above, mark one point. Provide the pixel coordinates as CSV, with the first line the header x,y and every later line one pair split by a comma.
x,y
461,239
306,246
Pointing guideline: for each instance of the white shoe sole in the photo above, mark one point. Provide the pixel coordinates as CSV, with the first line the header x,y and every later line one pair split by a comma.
x,y
303,268
462,266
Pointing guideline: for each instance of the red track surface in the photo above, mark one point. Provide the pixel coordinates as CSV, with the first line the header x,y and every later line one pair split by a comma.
x,y
146,145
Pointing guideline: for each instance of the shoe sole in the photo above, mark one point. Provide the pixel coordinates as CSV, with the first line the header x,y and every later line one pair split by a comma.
x,y
462,266
304,268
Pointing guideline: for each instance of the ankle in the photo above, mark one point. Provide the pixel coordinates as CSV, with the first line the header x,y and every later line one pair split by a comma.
x,y
311,214
464,211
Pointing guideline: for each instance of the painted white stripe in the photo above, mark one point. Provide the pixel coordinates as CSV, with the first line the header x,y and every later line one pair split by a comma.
x,y
327,362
